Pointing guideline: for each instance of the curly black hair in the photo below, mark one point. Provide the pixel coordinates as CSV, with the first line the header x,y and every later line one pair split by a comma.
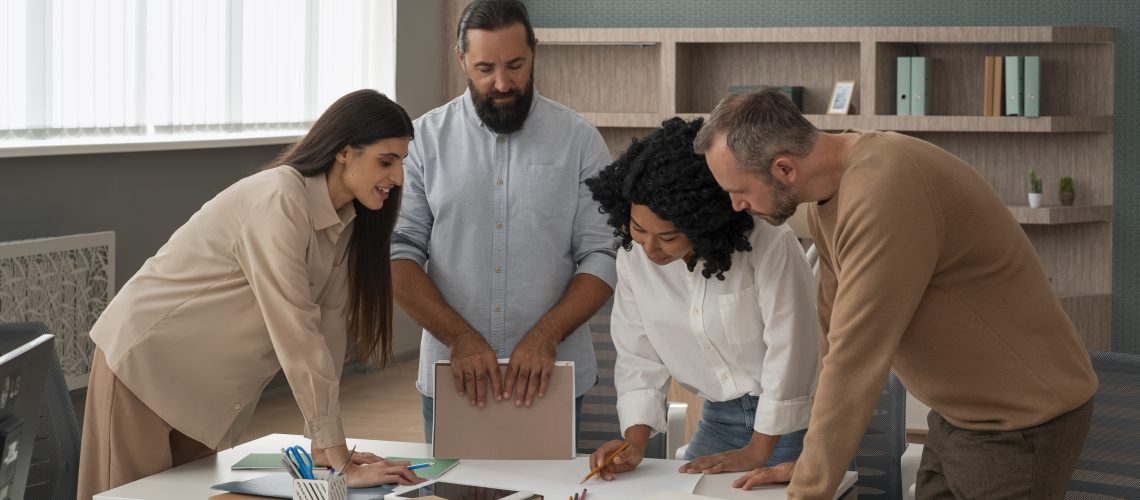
x,y
662,172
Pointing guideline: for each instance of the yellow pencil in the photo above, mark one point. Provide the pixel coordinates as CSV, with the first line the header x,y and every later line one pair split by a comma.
x,y
605,462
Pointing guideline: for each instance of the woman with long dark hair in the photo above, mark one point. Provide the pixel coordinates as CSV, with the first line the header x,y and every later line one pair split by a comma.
x,y
711,298
287,269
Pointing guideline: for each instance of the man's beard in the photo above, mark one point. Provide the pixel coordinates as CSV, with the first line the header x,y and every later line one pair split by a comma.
x,y
503,118
784,203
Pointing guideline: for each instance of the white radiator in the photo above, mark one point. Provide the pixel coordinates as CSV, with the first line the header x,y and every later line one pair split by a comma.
x,y
65,283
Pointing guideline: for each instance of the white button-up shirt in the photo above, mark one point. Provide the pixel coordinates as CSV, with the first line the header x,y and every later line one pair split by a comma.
x,y
755,333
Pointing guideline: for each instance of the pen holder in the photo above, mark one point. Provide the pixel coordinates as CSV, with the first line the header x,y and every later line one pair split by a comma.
x,y
335,488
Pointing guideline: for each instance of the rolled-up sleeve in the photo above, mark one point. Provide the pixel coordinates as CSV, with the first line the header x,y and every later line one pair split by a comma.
x,y
271,249
785,291
413,229
639,375
593,245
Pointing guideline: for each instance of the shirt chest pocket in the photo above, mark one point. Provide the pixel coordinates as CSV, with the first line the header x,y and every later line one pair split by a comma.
x,y
544,191
741,317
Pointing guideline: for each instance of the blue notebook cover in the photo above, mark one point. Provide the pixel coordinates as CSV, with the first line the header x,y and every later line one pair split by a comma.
x,y
281,486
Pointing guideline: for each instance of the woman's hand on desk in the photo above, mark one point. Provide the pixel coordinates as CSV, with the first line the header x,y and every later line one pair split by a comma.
x,y
754,455
382,472
781,473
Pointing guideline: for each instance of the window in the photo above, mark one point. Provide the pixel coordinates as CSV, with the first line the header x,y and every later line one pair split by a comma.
x,y
164,68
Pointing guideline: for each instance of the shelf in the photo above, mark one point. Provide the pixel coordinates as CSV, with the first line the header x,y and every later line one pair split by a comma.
x,y
903,34
626,120
1042,124
1012,124
1074,214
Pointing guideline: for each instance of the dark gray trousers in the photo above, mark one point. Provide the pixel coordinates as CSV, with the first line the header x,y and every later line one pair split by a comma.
x,y
1033,463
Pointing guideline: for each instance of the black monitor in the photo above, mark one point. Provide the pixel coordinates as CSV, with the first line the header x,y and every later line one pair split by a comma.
x,y
23,371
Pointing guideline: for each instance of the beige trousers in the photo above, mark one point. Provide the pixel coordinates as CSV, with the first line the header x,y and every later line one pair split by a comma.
x,y
123,440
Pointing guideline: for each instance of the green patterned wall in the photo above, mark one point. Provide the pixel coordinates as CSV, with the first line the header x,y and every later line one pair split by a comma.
x,y
1124,15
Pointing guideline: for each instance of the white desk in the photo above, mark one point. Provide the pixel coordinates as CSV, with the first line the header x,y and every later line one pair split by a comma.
x,y
193,480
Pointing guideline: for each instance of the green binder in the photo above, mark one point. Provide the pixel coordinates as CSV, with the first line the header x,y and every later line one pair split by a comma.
x,y
1014,85
919,79
902,87
1032,86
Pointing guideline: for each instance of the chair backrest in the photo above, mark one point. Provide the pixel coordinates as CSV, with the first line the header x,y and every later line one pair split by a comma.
x,y
55,457
878,459
599,421
1109,465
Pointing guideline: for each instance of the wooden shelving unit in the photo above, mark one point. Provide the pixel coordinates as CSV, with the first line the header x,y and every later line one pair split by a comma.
x,y
627,80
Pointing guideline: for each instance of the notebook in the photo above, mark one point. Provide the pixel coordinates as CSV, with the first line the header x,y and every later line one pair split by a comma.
x,y
501,430
259,461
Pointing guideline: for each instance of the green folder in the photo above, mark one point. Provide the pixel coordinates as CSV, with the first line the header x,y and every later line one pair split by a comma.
x,y
259,461
902,86
438,467
1032,79
919,80
1014,85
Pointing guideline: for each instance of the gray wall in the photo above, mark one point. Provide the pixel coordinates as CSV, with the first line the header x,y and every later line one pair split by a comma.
x,y
1124,15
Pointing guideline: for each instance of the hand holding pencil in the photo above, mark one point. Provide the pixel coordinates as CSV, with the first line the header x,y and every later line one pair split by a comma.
x,y
615,457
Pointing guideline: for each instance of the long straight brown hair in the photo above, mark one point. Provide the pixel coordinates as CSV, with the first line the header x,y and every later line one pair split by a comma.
x,y
359,119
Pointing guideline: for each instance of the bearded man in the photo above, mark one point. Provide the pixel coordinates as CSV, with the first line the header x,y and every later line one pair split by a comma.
x,y
500,250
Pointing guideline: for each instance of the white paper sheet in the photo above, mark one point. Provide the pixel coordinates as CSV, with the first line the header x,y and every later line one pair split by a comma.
x,y
555,479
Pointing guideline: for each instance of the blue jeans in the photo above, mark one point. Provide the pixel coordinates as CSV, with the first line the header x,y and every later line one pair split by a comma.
x,y
728,426
429,417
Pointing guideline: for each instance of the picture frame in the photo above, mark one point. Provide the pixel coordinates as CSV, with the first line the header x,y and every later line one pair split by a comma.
x,y
840,101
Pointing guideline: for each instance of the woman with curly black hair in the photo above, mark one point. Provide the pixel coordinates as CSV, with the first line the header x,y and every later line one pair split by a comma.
x,y
712,298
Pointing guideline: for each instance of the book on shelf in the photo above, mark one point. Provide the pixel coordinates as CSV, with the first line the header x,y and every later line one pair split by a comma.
x,y
919,82
1032,82
999,86
902,86
1014,85
988,88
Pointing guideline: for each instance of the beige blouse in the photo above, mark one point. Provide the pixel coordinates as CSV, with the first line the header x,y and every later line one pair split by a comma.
x,y
254,282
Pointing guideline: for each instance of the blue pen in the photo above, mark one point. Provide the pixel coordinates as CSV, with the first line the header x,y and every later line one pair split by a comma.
x,y
420,466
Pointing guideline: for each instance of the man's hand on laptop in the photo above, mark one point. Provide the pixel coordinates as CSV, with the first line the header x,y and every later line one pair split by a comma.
x,y
473,365
532,363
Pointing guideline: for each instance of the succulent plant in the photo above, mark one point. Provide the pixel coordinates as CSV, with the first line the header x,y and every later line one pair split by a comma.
x,y
1034,182
1066,184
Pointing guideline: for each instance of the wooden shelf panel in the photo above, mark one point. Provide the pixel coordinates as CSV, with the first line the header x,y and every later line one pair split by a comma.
x,y
1013,124
1091,312
1074,214
1043,124
917,34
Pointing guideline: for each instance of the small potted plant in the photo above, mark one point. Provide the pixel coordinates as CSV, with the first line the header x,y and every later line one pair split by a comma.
x,y
1034,189
1067,194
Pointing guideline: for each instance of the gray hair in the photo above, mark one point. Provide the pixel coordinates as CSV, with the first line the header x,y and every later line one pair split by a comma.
x,y
758,127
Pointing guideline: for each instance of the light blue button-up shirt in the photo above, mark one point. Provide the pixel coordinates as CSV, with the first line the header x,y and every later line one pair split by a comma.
x,y
503,223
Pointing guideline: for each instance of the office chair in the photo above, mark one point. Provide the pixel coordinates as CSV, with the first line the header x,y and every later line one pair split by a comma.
x,y
599,421
878,458
1109,465
55,456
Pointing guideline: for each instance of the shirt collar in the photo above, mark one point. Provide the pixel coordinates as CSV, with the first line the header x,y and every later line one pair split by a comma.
x,y
469,107
320,204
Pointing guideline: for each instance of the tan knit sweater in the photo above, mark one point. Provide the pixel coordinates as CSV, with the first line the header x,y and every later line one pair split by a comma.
x,y
924,271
